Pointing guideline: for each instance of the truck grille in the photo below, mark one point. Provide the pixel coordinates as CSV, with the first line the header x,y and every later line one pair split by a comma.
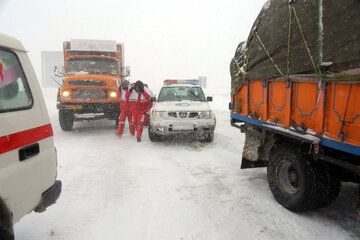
x,y
88,94
183,114
86,83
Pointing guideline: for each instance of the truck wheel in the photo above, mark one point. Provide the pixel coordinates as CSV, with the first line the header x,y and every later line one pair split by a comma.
x,y
66,120
209,137
153,136
117,120
292,179
58,98
328,184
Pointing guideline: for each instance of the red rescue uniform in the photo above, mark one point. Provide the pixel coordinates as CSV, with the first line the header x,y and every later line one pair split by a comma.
x,y
124,113
149,106
138,102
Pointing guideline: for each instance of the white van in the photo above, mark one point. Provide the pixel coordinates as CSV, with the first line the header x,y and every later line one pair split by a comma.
x,y
28,164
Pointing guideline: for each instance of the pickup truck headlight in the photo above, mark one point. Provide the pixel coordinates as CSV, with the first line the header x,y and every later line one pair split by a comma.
x,y
206,115
159,114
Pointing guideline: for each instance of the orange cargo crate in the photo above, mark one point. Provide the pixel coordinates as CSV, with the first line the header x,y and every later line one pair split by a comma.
x,y
330,111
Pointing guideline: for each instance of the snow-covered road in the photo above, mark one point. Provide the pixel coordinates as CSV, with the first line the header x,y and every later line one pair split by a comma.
x,y
115,188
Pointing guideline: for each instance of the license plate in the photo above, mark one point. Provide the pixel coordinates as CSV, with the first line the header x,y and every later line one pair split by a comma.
x,y
74,107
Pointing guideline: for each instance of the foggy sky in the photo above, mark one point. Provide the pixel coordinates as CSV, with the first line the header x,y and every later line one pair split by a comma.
x,y
163,39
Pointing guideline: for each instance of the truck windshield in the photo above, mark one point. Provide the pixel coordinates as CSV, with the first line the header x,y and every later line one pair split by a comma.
x,y
91,65
180,93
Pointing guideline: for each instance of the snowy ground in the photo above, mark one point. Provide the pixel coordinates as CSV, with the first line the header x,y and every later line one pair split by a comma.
x,y
115,188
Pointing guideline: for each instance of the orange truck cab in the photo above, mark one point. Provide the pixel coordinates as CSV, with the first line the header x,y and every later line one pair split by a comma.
x,y
92,71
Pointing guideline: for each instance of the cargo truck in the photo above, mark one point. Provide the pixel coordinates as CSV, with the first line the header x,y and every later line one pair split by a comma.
x,y
93,70
296,96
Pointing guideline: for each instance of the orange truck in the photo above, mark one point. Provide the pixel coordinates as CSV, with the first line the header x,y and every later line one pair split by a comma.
x,y
93,70
296,96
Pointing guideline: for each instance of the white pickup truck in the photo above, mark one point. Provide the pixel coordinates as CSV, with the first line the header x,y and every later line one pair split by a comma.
x,y
182,109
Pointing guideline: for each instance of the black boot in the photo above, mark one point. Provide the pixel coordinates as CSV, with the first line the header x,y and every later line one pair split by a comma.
x,y
138,139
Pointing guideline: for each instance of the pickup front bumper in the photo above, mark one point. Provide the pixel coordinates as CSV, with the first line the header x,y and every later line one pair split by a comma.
x,y
198,127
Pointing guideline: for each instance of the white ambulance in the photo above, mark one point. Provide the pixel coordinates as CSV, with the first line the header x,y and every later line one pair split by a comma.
x,y
28,164
182,110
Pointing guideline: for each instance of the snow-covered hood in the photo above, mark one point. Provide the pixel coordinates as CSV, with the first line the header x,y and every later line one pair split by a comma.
x,y
182,106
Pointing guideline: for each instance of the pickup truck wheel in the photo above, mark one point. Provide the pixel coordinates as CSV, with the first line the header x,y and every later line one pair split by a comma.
x,y
292,180
66,120
153,136
209,137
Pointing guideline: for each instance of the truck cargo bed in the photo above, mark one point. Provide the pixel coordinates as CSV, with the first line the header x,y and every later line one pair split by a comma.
x,y
329,111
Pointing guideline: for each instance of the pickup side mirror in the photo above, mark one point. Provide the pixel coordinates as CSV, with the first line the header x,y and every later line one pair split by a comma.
x,y
209,99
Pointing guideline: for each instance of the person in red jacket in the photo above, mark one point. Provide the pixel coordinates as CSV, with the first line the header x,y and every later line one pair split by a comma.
x,y
139,101
150,104
124,110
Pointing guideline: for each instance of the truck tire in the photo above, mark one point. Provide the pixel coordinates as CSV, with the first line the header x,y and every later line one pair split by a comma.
x,y
66,120
117,119
153,136
58,98
328,184
292,180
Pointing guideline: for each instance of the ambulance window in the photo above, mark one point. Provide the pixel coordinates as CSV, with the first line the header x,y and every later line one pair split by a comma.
x,y
14,91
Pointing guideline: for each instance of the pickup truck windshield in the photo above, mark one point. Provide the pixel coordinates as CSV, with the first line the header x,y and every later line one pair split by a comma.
x,y
92,65
180,93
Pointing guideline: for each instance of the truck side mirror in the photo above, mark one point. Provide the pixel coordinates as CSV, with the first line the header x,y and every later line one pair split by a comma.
x,y
209,99
58,73
126,71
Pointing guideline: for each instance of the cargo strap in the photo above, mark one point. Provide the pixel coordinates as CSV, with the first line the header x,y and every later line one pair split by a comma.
x,y
345,77
293,12
243,74
341,133
271,59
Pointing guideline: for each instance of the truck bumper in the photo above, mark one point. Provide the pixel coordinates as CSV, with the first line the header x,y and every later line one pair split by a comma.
x,y
109,110
49,197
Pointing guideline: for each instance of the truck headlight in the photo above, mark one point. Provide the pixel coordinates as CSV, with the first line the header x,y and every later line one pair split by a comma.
x,y
66,94
159,114
113,94
206,115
